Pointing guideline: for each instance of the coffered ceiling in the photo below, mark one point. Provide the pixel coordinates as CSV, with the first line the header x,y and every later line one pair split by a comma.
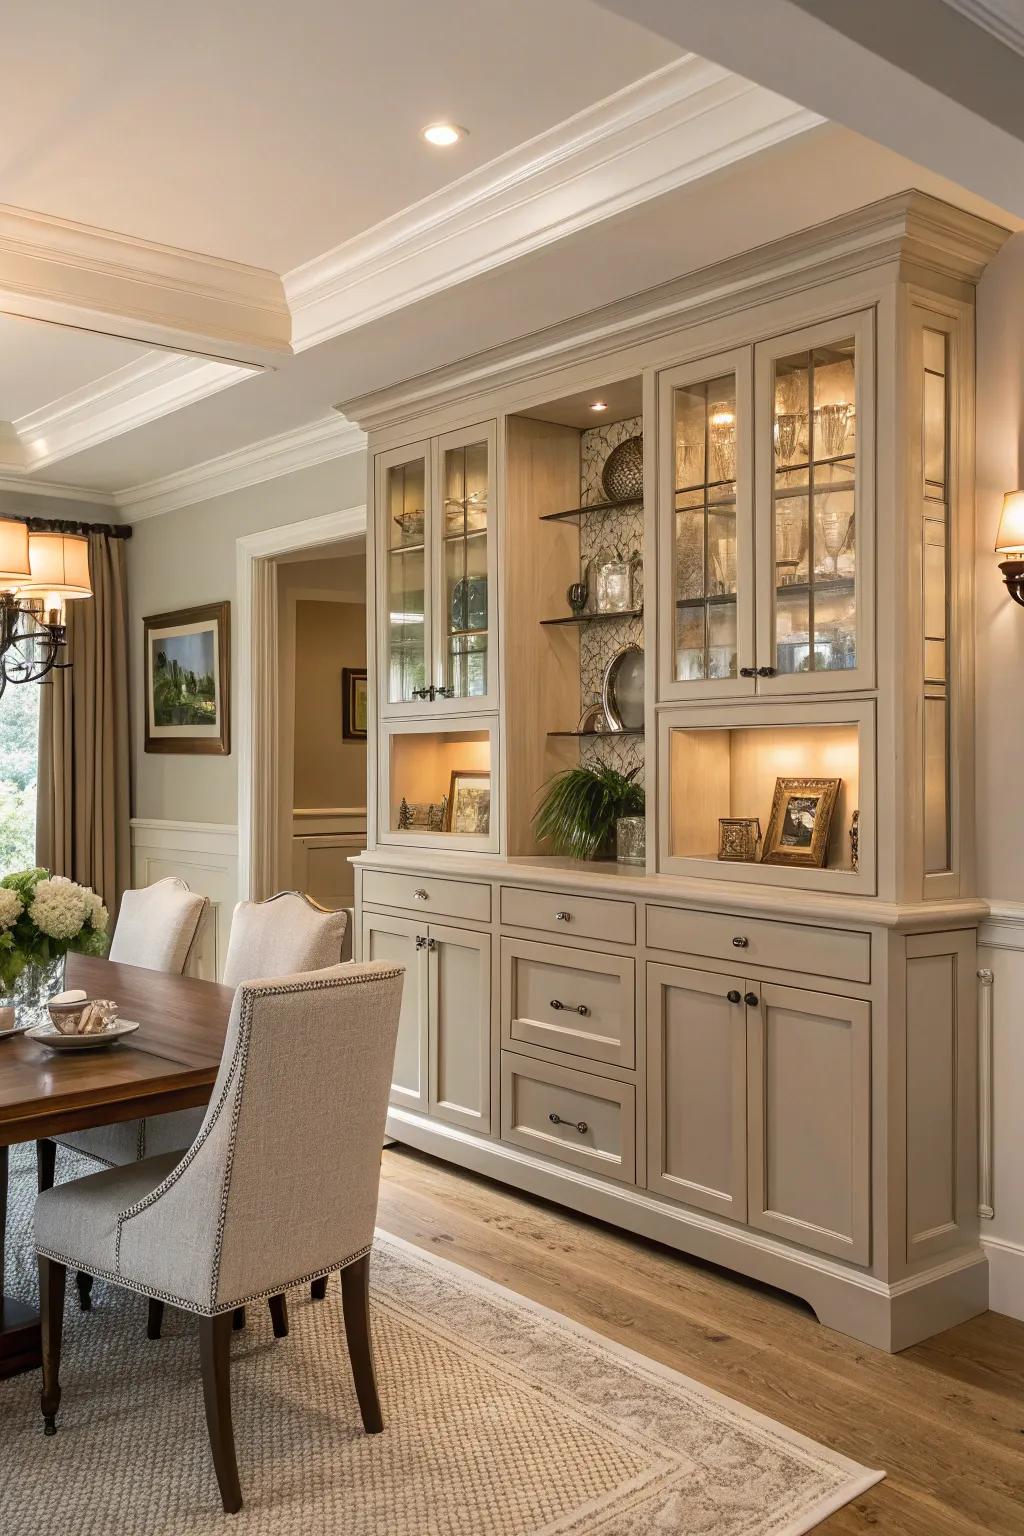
x,y
217,220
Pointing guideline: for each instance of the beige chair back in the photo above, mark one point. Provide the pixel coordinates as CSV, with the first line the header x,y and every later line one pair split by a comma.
x,y
158,926
282,936
281,1183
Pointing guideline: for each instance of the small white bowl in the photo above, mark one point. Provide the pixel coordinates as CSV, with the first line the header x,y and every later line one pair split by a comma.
x,y
68,1017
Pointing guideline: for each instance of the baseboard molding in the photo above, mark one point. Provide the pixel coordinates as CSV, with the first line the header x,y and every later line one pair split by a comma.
x,y
1006,1276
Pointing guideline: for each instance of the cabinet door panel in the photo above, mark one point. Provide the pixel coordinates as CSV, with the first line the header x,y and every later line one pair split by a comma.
x,y
696,1099
465,662
814,404
394,939
809,1062
460,1026
404,563
706,595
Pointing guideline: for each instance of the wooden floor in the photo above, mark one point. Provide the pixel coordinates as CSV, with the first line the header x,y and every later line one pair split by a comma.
x,y
945,1419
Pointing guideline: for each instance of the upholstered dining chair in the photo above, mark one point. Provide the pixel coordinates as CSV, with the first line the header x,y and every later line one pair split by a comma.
x,y
303,1084
286,933
157,929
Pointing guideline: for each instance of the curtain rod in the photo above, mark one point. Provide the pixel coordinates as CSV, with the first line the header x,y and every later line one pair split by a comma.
x,y
66,525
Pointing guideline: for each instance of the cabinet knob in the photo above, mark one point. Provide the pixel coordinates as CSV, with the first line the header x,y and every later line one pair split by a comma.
x,y
751,999
421,942
735,996
739,942
766,671
748,671
575,1125
560,1007
421,895
563,917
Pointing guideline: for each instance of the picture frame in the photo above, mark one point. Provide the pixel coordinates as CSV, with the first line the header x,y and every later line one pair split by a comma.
x,y
469,802
800,821
738,839
187,680
354,704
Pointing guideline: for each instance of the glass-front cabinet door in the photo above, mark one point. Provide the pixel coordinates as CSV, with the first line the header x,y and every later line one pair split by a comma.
x,y
435,532
465,666
815,454
707,577
404,518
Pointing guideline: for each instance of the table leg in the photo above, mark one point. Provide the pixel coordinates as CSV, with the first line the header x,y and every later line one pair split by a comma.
x,y
20,1339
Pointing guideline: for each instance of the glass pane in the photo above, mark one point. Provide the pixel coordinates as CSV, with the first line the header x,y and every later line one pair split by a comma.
x,y
705,449
405,499
465,482
935,599
936,784
935,602
935,433
814,434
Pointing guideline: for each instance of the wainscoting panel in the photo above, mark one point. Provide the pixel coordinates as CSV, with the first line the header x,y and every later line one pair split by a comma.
x,y
323,842
1001,959
205,855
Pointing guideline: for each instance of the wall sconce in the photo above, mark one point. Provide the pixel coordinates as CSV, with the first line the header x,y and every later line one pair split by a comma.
x,y
1010,542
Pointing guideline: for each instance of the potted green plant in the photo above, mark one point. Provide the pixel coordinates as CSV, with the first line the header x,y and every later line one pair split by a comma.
x,y
42,917
580,807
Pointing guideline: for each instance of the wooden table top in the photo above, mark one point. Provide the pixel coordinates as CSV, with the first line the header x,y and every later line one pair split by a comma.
x,y
170,1063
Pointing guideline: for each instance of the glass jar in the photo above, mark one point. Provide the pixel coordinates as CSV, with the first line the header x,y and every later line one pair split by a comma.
x,y
631,840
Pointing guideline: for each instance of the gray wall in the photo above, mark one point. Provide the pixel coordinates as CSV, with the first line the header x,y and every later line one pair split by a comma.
x,y
186,558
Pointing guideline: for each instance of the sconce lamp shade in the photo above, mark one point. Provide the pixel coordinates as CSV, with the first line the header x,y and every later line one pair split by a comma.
x,y
59,565
1010,538
14,563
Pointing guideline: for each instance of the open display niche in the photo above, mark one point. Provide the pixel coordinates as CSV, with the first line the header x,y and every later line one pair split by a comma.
x,y
565,524
727,762
419,765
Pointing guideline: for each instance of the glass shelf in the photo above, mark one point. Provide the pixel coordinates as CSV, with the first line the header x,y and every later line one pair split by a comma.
x,y
578,735
596,506
597,617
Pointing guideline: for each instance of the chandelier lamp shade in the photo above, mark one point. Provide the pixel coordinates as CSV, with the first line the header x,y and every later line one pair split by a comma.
x,y
1010,544
40,571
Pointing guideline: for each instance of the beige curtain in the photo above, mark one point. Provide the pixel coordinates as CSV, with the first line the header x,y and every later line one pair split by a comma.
x,y
83,805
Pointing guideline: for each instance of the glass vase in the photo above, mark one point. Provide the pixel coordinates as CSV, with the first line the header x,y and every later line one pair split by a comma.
x,y
35,986
631,840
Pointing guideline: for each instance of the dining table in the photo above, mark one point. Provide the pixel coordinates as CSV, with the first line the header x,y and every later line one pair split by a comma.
x,y
169,1063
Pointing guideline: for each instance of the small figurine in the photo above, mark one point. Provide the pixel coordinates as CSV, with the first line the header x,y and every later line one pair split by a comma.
x,y
855,841
404,815
577,596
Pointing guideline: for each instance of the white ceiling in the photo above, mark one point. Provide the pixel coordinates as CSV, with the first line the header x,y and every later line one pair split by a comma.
x,y
39,363
268,133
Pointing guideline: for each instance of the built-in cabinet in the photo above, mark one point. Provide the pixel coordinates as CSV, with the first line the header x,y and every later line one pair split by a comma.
x,y
762,1057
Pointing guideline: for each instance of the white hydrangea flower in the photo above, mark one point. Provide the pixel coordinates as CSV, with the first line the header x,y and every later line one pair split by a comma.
x,y
60,907
11,908
98,914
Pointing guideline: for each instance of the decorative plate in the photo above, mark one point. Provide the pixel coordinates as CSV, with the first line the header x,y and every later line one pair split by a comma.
x,y
48,1034
14,1031
623,472
622,692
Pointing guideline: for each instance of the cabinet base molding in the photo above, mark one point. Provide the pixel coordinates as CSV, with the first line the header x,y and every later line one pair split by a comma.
x,y
888,1317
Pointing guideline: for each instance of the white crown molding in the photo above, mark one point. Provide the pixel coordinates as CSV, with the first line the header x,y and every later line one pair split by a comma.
x,y
117,402
674,126
93,279
1002,18
330,438
55,490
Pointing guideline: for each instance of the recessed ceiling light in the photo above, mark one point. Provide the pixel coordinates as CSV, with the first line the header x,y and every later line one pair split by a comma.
x,y
599,405
443,135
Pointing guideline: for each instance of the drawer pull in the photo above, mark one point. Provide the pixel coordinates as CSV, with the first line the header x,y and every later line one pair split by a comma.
x,y
751,999
419,895
734,996
563,917
580,1008
739,942
575,1125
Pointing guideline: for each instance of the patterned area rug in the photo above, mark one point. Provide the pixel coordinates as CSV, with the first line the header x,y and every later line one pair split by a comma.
x,y
503,1419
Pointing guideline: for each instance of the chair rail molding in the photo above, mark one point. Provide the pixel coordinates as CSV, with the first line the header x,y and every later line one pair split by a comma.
x,y
256,630
1004,926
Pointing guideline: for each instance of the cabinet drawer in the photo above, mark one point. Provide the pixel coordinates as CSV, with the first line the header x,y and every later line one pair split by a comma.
x,y
760,941
424,893
570,1000
532,1092
586,917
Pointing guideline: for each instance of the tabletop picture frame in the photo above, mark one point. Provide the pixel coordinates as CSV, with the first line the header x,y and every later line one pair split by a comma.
x,y
800,821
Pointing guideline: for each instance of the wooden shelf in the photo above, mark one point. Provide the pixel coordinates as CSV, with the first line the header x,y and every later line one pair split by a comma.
x,y
590,618
597,506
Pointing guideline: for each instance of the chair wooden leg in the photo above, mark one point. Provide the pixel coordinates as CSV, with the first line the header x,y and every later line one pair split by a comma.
x,y
215,1359
318,1288
355,1302
84,1283
238,1319
279,1315
155,1320
46,1164
51,1306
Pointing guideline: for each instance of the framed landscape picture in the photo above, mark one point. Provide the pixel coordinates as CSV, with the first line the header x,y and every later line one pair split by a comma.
x,y
188,680
469,802
353,703
799,823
